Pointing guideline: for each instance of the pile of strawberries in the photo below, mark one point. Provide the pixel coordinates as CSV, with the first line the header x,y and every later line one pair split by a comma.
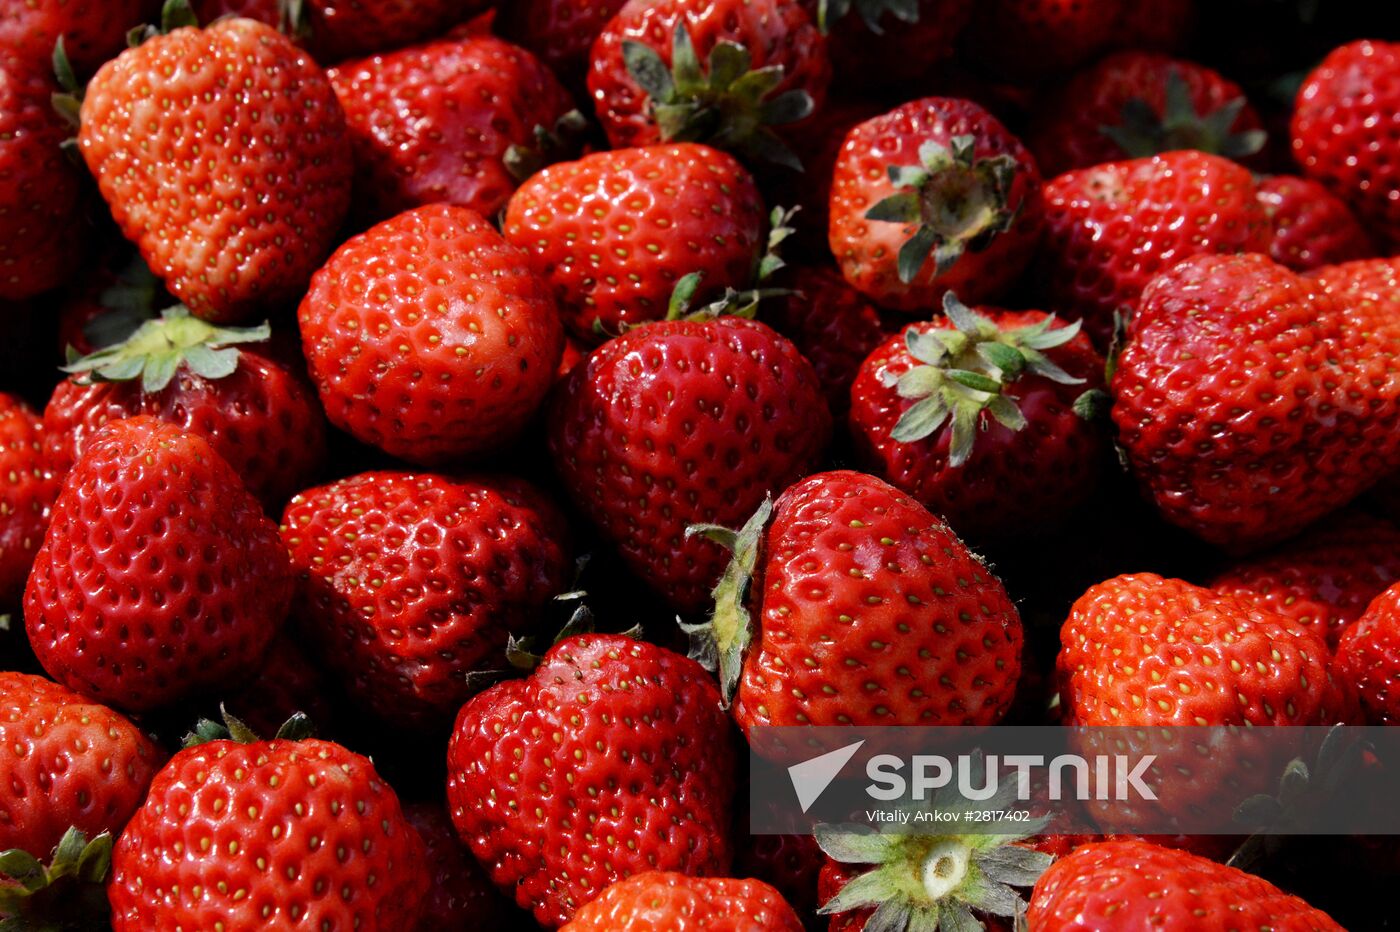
x,y
436,433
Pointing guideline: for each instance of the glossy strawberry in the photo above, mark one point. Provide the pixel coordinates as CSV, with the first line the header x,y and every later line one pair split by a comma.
x,y
1011,445
461,895
665,901
273,180
1249,404
159,578
1111,228
615,232
409,582
1139,885
682,422
935,195
27,492
1028,38
92,30
1368,657
437,123
557,802
1311,226
1345,119
429,337
560,32
249,834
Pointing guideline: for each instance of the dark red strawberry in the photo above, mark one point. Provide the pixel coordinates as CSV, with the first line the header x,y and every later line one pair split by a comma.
x,y
430,337
1024,39
287,682
1368,657
159,578
790,863
27,492
682,422
92,30
612,758
461,895
116,295
560,32
1159,26
888,43
935,195
1311,226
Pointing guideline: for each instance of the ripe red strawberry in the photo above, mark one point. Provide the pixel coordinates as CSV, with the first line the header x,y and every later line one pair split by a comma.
x,y
409,582
27,492
1249,404
438,123
66,762
1345,119
682,422
979,416
665,901
1139,885
674,71
933,196
272,180
257,415
240,833
159,578
1311,226
1029,38
864,609
287,683
1368,657
41,222
461,895
429,337
612,758
888,43
1325,578
1136,104
560,32
615,232
1111,228
92,30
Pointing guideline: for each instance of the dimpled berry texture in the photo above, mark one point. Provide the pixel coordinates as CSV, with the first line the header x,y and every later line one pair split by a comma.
x,y
559,31
262,419
612,758
273,834
40,192
1111,228
1138,885
1250,403
615,231
27,493
223,155
685,422
1369,657
665,901
433,123
410,582
160,577
872,612
775,32
1346,128
461,895
868,250
1013,479
92,30
65,762
1311,227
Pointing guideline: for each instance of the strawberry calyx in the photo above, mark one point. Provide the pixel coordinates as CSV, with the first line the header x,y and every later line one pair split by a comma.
x,y
728,104
552,144
720,643
871,11
955,201
1142,132
965,371
175,14
736,303
232,728
158,348
66,895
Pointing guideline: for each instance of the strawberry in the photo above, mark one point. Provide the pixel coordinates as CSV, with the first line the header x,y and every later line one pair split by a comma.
x,y
461,895
445,122
159,577
66,762
286,683
1324,579
658,901
429,337
560,32
1310,404
615,232
681,422
933,196
1160,26
272,181
257,415
1344,122
1368,657
41,194
1024,39
238,833
789,863
1311,226
115,296
1139,885
1111,228
764,64
27,492
612,758
888,43
865,610
979,416
92,30
409,582
1135,104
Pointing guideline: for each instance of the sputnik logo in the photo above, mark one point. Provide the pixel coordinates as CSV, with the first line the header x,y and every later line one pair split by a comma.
x,y
811,777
